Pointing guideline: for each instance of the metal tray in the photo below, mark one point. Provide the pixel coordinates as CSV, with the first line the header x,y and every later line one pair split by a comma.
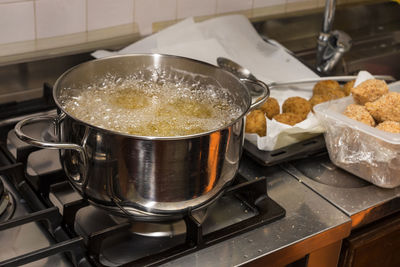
x,y
299,150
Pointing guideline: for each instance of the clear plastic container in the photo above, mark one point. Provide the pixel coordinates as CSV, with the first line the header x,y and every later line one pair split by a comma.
x,y
368,153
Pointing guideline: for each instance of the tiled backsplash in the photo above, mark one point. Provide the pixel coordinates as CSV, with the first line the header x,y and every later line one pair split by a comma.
x,y
59,17
29,20
17,21
22,20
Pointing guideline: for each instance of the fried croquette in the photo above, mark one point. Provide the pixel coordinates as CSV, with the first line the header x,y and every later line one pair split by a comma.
x,y
322,87
347,87
369,91
335,94
270,108
359,113
289,118
297,105
389,126
256,123
326,90
317,99
386,108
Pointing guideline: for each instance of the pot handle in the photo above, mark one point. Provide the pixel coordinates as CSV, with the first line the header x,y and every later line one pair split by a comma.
x,y
263,96
50,145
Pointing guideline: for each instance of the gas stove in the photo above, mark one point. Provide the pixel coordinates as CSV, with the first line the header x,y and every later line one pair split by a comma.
x,y
94,236
264,215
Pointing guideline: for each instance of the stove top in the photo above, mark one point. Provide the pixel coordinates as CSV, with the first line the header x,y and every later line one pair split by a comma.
x,y
110,240
65,230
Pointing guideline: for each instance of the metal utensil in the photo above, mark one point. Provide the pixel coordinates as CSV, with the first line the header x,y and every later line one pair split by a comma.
x,y
242,72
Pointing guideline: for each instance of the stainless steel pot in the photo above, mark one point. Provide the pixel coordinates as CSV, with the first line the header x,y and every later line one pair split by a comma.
x,y
147,178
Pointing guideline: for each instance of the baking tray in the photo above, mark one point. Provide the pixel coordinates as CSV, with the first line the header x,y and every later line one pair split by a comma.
x,y
298,150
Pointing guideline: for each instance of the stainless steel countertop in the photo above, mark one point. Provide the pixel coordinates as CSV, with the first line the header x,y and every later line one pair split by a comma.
x,y
360,200
310,223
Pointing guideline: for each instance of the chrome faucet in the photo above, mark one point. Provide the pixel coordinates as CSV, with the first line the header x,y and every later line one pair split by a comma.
x,y
331,44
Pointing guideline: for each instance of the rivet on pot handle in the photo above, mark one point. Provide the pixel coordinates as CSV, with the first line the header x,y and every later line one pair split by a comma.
x,y
50,145
263,96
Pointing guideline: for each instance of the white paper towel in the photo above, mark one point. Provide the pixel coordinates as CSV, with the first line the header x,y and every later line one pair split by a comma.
x,y
234,37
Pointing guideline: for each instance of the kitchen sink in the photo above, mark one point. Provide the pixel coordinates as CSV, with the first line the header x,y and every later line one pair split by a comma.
x,y
374,29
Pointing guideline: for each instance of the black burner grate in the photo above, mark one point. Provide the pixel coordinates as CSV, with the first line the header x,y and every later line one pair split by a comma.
x,y
253,194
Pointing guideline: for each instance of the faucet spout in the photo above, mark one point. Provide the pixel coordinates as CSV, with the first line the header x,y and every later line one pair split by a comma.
x,y
329,16
331,44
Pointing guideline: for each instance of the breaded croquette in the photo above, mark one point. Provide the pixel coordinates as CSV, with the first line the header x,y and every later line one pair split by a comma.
x,y
386,108
335,94
297,105
322,87
347,87
369,91
270,108
289,118
359,113
326,90
389,126
317,99
256,123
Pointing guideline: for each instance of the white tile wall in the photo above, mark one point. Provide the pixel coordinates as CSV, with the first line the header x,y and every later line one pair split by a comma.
x,y
60,17
108,13
297,5
265,3
12,1
268,7
314,2
224,6
22,20
17,22
321,3
149,11
188,8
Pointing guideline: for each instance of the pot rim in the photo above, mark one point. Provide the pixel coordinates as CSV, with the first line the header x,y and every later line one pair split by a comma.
x,y
180,137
